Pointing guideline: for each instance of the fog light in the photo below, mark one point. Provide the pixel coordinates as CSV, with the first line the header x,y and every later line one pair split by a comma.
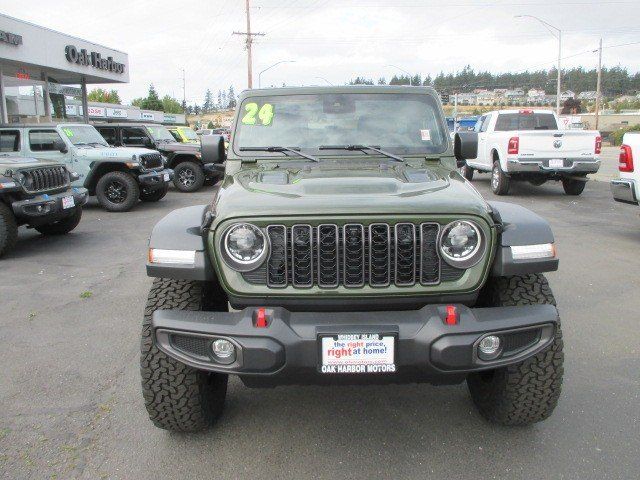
x,y
224,350
489,347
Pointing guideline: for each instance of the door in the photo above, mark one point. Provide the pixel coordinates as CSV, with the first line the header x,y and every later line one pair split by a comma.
x,y
47,144
481,127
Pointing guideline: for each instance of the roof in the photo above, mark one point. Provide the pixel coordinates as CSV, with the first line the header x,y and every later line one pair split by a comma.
x,y
41,125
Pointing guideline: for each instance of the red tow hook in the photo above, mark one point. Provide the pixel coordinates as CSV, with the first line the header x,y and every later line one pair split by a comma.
x,y
261,318
452,315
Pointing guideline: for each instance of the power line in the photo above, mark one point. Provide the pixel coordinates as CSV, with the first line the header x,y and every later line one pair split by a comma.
x,y
249,41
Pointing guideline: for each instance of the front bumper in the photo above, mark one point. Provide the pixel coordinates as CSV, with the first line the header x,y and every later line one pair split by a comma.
x,y
624,190
570,166
287,350
46,205
156,178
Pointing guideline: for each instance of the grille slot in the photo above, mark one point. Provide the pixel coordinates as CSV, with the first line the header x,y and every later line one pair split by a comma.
x,y
354,255
328,264
405,243
379,255
45,179
429,257
302,255
277,266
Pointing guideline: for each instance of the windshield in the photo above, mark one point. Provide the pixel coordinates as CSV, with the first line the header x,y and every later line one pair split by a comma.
x,y
405,123
188,133
84,135
160,132
508,122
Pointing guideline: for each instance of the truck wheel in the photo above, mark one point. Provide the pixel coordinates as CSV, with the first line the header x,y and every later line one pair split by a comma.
x,y
499,181
188,177
117,191
177,397
8,229
61,226
572,186
154,195
526,392
466,172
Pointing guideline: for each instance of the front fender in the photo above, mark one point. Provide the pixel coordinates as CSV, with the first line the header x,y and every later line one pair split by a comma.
x,y
520,227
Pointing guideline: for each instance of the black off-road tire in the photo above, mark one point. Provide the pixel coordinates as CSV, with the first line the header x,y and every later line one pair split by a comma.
x,y
154,195
8,229
178,397
188,176
572,186
63,226
500,182
467,172
126,184
526,392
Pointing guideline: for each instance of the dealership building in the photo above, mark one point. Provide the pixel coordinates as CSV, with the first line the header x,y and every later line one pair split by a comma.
x,y
44,76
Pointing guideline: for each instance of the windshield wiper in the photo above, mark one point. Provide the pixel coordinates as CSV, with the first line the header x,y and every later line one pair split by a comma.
x,y
375,148
295,150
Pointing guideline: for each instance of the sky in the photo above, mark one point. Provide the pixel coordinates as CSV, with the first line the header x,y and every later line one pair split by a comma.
x,y
336,40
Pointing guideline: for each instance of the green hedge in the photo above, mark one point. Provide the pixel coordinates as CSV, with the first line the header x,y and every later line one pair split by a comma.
x,y
616,137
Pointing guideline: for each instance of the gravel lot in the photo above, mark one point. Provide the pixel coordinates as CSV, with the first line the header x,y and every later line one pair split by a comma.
x,y
70,388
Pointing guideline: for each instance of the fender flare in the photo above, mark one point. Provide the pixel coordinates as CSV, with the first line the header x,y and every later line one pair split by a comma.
x,y
181,230
520,226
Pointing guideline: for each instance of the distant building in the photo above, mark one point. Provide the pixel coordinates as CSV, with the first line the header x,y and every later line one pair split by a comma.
x,y
467,98
486,98
513,94
535,95
567,94
589,95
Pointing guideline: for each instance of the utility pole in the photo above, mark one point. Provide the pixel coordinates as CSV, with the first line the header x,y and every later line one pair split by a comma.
x,y
598,84
184,92
249,41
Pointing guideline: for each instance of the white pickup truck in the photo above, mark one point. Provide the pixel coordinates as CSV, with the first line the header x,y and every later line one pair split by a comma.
x,y
528,145
626,189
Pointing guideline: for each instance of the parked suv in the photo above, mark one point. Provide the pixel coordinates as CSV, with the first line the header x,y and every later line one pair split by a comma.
x,y
349,249
191,163
38,194
118,177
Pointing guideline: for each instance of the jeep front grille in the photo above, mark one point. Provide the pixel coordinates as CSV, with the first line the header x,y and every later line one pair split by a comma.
x,y
45,179
151,160
353,255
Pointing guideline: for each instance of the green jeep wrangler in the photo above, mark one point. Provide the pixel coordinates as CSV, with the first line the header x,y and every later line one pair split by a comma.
x,y
38,194
343,246
118,177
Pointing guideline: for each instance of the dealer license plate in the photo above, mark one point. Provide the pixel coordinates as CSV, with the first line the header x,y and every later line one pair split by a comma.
x,y
67,202
556,163
166,177
357,353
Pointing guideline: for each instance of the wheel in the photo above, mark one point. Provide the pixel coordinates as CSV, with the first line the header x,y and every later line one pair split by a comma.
x,y
177,397
154,195
8,229
466,172
117,191
188,177
499,181
526,392
572,186
61,226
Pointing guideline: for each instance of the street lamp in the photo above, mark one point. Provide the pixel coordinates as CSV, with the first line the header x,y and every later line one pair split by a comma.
x,y
269,68
556,32
322,78
402,70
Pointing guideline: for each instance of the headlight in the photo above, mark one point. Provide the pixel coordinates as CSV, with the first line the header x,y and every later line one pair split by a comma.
x,y
461,244
244,247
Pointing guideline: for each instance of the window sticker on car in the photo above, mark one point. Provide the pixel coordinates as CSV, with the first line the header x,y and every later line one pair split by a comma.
x,y
425,135
68,132
265,114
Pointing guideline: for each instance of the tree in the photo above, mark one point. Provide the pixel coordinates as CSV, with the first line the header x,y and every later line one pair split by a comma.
x,y
208,106
171,105
219,99
151,102
210,125
361,81
103,96
231,98
382,81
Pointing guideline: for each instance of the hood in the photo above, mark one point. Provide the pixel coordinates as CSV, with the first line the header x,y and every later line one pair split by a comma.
x,y
336,188
16,163
179,147
117,153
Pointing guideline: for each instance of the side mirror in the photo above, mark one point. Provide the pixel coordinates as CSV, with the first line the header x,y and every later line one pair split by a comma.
x,y
212,149
147,142
465,147
61,146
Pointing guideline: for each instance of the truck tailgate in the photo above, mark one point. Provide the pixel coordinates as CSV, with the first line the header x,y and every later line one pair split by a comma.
x,y
557,144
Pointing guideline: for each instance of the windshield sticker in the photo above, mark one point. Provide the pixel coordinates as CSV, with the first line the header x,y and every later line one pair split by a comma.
x,y
425,135
265,114
68,132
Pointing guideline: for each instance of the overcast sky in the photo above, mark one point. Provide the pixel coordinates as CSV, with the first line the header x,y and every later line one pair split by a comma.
x,y
337,39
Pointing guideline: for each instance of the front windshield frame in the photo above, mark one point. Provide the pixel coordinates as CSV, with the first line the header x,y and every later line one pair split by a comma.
x,y
437,125
154,131
83,135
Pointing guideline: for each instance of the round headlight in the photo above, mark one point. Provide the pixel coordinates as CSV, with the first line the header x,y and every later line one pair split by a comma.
x,y
245,247
461,244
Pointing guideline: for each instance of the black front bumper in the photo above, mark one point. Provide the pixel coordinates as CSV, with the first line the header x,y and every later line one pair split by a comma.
x,y
49,206
287,350
155,179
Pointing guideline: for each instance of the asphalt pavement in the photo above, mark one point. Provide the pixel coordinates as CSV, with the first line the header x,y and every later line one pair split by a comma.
x,y
71,405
